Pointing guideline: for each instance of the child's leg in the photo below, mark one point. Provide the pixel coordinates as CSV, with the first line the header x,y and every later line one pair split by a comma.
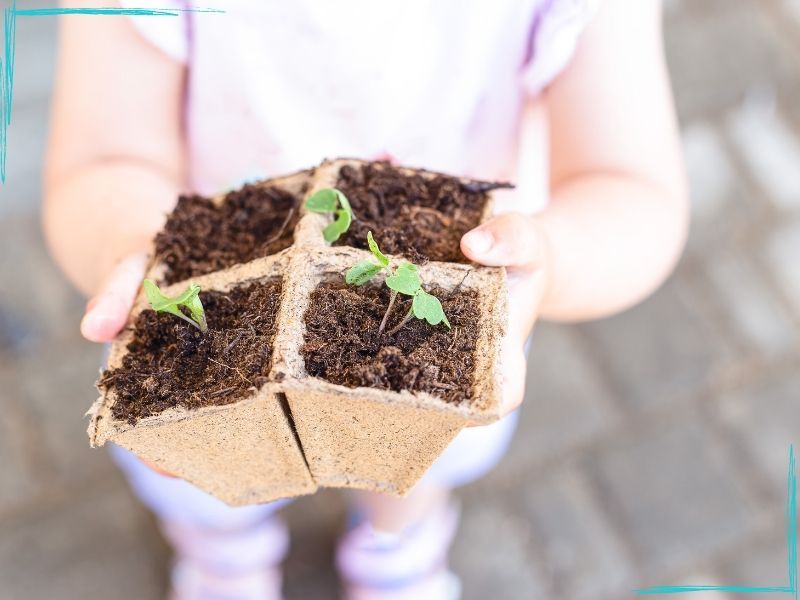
x,y
398,547
391,515
220,551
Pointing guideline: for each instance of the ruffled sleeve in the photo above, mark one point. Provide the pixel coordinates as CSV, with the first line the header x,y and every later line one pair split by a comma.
x,y
167,33
555,31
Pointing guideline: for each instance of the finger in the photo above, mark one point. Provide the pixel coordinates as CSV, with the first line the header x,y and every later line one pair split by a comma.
x,y
157,469
508,240
514,366
107,312
384,155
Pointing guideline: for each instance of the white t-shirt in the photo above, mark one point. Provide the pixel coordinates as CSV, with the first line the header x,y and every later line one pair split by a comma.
x,y
276,86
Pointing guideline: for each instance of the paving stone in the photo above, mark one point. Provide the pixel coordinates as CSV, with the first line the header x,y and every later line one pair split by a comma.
x,y
22,192
723,209
770,149
711,175
783,248
717,50
40,297
673,493
35,58
492,556
57,391
583,557
95,546
764,415
672,7
565,404
792,7
754,312
16,335
33,80
315,523
659,350
18,481
762,563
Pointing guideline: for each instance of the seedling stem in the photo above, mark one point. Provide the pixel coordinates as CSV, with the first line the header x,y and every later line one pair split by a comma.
x,y
392,298
402,280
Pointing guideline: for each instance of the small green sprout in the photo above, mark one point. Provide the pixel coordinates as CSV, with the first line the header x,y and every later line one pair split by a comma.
x,y
402,280
332,201
189,299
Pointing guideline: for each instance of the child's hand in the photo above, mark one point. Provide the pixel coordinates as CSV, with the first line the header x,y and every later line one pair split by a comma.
x,y
107,311
518,242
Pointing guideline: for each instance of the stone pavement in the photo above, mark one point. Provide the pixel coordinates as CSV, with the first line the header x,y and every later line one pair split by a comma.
x,y
653,445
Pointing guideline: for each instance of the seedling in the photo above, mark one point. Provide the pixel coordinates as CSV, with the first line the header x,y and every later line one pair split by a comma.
x,y
332,201
189,299
402,280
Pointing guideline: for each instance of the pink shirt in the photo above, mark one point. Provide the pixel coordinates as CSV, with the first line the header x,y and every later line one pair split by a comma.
x,y
276,86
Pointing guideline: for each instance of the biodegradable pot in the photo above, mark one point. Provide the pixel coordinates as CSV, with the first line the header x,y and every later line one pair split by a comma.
x,y
295,185
296,432
242,453
375,439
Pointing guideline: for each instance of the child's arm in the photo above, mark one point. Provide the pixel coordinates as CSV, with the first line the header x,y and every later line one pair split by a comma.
x,y
617,220
115,161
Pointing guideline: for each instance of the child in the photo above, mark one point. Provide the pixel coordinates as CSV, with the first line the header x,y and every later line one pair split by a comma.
x,y
569,98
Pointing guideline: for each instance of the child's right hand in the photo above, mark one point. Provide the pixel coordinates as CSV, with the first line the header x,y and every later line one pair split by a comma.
x,y
107,311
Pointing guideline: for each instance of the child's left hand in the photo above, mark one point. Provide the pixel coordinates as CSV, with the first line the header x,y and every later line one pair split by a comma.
x,y
516,241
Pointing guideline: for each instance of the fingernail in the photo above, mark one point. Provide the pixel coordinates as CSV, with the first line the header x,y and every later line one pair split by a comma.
x,y
102,320
479,241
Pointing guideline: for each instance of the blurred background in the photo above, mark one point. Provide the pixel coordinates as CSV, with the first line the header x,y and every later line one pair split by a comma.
x,y
653,447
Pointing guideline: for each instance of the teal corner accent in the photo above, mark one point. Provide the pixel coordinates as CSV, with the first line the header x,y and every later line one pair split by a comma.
x,y
6,82
791,548
10,15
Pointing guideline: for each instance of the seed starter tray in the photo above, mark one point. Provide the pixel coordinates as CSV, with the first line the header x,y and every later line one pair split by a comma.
x,y
296,432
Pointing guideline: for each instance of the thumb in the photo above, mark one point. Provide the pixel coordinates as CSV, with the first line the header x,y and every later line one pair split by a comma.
x,y
508,240
107,312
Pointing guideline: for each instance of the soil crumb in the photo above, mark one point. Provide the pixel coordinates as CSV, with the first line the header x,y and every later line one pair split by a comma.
x,y
419,217
200,238
343,346
170,363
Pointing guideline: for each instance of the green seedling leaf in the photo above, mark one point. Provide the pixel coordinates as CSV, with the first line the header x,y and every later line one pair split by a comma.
x,y
324,201
196,308
405,280
157,300
365,270
190,298
336,228
376,252
362,273
332,201
427,306
344,202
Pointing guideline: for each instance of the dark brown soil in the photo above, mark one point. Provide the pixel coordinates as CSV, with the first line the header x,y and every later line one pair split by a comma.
x,y
170,363
421,218
342,343
200,237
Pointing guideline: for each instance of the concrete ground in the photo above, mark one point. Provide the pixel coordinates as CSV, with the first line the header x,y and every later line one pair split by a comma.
x,y
653,445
